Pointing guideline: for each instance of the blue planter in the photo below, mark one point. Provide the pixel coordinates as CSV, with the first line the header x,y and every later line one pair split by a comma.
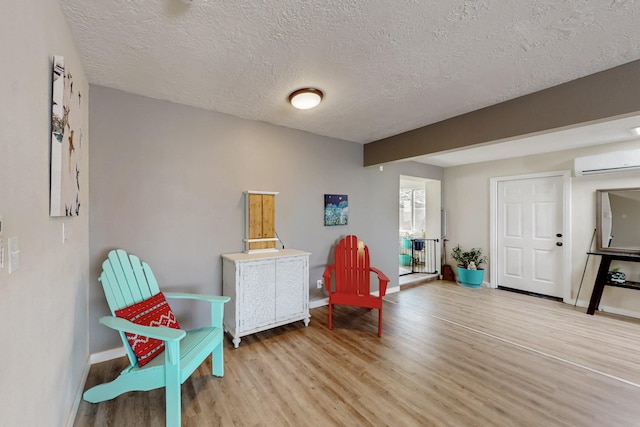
x,y
470,278
406,243
405,259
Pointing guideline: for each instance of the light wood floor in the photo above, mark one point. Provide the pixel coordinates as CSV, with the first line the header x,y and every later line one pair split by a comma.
x,y
449,356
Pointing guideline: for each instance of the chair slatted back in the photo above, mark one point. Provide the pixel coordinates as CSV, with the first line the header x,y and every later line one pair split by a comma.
x,y
352,267
126,281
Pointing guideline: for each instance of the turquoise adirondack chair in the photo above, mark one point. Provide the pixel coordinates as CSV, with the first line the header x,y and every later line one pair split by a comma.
x,y
127,281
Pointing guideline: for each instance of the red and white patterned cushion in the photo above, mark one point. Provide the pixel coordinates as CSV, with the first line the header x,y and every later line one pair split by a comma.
x,y
154,311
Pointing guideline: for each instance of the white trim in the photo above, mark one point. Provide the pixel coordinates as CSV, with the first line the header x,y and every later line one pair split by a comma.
x,y
612,310
258,251
275,193
318,303
568,235
78,394
265,239
392,290
566,226
493,232
103,356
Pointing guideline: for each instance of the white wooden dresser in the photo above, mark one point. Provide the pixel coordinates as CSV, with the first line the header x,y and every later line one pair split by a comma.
x,y
267,289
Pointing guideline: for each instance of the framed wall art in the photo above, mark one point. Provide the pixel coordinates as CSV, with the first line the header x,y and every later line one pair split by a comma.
x,y
66,142
336,209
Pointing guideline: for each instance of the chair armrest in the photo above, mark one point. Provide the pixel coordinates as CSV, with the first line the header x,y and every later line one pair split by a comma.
x,y
206,298
158,332
217,304
383,279
327,276
381,276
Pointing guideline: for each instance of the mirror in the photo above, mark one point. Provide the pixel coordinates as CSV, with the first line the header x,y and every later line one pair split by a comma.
x,y
618,220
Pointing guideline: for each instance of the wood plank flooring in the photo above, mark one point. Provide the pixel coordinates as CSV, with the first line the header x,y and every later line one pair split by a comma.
x,y
449,356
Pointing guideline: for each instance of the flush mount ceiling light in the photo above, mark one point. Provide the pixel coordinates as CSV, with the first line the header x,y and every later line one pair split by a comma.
x,y
636,131
306,98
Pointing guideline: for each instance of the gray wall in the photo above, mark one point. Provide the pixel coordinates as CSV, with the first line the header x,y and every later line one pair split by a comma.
x,y
43,305
167,183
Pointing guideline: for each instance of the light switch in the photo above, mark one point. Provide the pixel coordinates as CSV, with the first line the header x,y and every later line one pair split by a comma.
x,y
14,254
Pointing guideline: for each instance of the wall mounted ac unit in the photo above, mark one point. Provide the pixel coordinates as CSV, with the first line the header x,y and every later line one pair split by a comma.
x,y
617,161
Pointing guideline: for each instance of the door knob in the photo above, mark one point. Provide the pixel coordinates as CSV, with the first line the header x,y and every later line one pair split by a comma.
x,y
559,235
558,243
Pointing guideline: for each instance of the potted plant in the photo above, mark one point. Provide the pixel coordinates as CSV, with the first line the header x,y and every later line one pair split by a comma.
x,y
470,272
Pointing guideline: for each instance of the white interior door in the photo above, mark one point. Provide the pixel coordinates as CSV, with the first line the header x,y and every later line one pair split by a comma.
x,y
530,235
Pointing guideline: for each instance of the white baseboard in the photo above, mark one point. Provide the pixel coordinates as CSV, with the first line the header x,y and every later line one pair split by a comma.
x,y
103,356
318,302
608,309
78,394
389,291
392,290
580,303
620,311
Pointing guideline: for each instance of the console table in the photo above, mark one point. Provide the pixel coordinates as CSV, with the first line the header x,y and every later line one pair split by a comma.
x,y
267,289
601,277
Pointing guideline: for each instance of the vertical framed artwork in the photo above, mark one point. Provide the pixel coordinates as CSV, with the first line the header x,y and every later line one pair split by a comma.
x,y
336,209
66,142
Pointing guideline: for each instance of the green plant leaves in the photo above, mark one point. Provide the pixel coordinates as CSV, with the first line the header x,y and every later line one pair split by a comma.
x,y
463,258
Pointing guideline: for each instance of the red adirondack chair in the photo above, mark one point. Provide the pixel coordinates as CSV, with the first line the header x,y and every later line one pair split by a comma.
x,y
352,279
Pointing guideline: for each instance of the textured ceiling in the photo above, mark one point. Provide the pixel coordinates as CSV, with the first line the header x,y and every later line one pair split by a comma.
x,y
385,66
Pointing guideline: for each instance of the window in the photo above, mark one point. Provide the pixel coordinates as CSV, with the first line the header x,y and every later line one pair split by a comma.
x,y
412,209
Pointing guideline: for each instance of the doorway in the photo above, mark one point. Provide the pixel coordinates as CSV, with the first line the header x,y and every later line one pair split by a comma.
x,y
419,227
530,229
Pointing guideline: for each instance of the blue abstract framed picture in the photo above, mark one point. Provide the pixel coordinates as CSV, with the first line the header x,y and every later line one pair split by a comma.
x,y
336,209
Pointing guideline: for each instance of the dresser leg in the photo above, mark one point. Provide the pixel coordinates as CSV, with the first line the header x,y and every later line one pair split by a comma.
x,y
236,342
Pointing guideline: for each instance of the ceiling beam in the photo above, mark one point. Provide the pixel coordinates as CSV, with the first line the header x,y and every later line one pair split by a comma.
x,y
607,94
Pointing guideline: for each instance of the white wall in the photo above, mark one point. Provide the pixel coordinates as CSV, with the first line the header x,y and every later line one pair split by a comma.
x,y
466,192
43,305
167,183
